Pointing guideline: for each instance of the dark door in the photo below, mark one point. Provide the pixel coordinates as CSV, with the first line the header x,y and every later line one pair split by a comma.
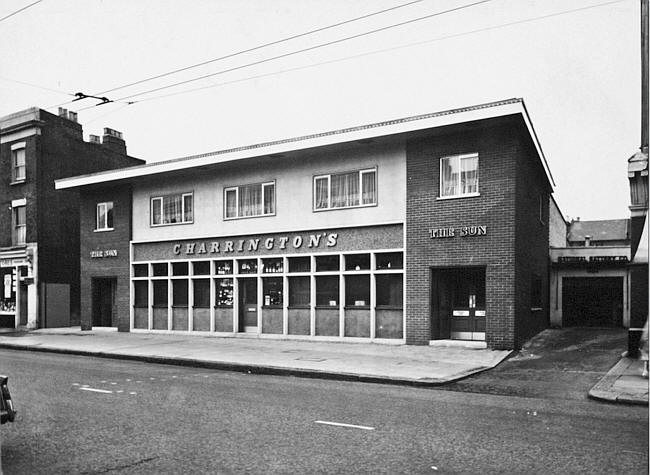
x,y
23,303
458,303
592,301
104,301
248,305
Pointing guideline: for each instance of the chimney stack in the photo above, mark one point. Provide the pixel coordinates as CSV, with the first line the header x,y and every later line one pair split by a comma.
x,y
94,139
114,141
63,112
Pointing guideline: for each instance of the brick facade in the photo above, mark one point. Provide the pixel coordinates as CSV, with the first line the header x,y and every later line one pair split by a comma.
x,y
509,177
54,149
106,267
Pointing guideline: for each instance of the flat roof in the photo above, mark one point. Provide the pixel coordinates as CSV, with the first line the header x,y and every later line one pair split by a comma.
x,y
369,131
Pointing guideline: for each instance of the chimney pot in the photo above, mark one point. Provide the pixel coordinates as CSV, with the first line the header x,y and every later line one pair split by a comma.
x,y
63,112
72,116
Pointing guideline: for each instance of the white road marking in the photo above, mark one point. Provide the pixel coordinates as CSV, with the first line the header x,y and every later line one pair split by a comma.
x,y
75,384
132,393
113,383
152,379
174,376
85,388
138,381
341,424
119,391
103,381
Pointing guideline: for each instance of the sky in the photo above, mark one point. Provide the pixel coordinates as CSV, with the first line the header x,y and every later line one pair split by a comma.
x,y
576,64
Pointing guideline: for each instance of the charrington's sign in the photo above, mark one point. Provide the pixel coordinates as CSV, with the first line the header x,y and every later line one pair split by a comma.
x,y
296,241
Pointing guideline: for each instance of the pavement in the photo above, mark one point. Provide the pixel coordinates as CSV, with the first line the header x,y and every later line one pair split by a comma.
x,y
369,362
623,383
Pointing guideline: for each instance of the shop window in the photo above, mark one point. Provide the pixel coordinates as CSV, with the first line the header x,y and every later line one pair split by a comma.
x,y
299,264
357,290
272,291
389,290
201,293
18,162
223,267
172,209
299,291
389,260
159,269
160,297
357,261
250,200
104,216
272,266
179,293
179,268
345,190
141,293
459,175
327,263
201,268
247,266
224,292
8,296
327,291
140,270
19,225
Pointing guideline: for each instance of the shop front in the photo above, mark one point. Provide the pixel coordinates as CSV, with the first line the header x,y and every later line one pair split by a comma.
x,y
18,297
345,283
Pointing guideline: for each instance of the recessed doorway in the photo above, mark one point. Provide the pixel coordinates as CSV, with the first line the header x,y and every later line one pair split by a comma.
x,y
103,304
248,304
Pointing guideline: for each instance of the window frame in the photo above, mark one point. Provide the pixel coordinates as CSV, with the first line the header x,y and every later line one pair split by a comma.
x,y
328,177
162,198
458,157
235,188
15,226
105,227
15,148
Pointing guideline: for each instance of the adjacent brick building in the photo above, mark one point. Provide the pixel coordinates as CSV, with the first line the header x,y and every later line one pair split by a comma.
x,y
414,230
39,227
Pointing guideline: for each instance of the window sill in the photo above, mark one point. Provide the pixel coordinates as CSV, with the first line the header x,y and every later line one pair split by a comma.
x,y
536,309
357,307
103,230
17,182
299,307
344,207
235,218
170,224
454,197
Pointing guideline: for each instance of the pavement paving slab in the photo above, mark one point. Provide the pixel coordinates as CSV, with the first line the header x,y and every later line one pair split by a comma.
x,y
398,364
623,384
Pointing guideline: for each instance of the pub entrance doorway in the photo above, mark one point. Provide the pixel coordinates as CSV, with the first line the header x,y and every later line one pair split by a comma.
x,y
103,305
458,303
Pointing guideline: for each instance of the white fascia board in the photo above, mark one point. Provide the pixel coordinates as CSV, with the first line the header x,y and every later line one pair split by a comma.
x,y
329,138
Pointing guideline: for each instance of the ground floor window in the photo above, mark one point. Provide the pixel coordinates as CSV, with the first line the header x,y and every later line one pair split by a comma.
x,y
356,294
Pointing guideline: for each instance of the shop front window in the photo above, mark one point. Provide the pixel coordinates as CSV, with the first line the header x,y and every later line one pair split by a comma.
x,y
327,291
8,300
201,293
272,291
224,292
299,291
357,290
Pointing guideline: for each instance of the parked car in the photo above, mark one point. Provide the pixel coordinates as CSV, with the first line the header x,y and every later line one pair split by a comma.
x,y
7,411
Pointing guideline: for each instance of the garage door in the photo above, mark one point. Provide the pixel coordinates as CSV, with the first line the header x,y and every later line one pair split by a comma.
x,y
592,301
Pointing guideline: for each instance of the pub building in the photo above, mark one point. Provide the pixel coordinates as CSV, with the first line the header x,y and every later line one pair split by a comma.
x,y
411,231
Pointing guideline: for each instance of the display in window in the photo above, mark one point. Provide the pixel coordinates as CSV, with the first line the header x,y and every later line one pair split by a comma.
x,y
272,290
272,266
224,267
224,291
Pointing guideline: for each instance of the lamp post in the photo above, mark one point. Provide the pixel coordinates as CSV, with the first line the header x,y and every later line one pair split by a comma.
x,y
637,173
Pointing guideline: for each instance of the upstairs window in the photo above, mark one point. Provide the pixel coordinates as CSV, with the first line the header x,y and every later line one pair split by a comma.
x,y
18,162
459,176
172,209
104,218
247,201
18,225
345,190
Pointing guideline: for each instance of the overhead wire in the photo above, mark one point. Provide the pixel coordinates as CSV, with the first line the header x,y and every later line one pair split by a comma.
x,y
383,50
20,10
310,48
264,45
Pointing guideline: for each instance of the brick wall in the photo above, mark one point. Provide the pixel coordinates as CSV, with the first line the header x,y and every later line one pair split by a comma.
x,y
63,153
118,239
532,243
500,149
